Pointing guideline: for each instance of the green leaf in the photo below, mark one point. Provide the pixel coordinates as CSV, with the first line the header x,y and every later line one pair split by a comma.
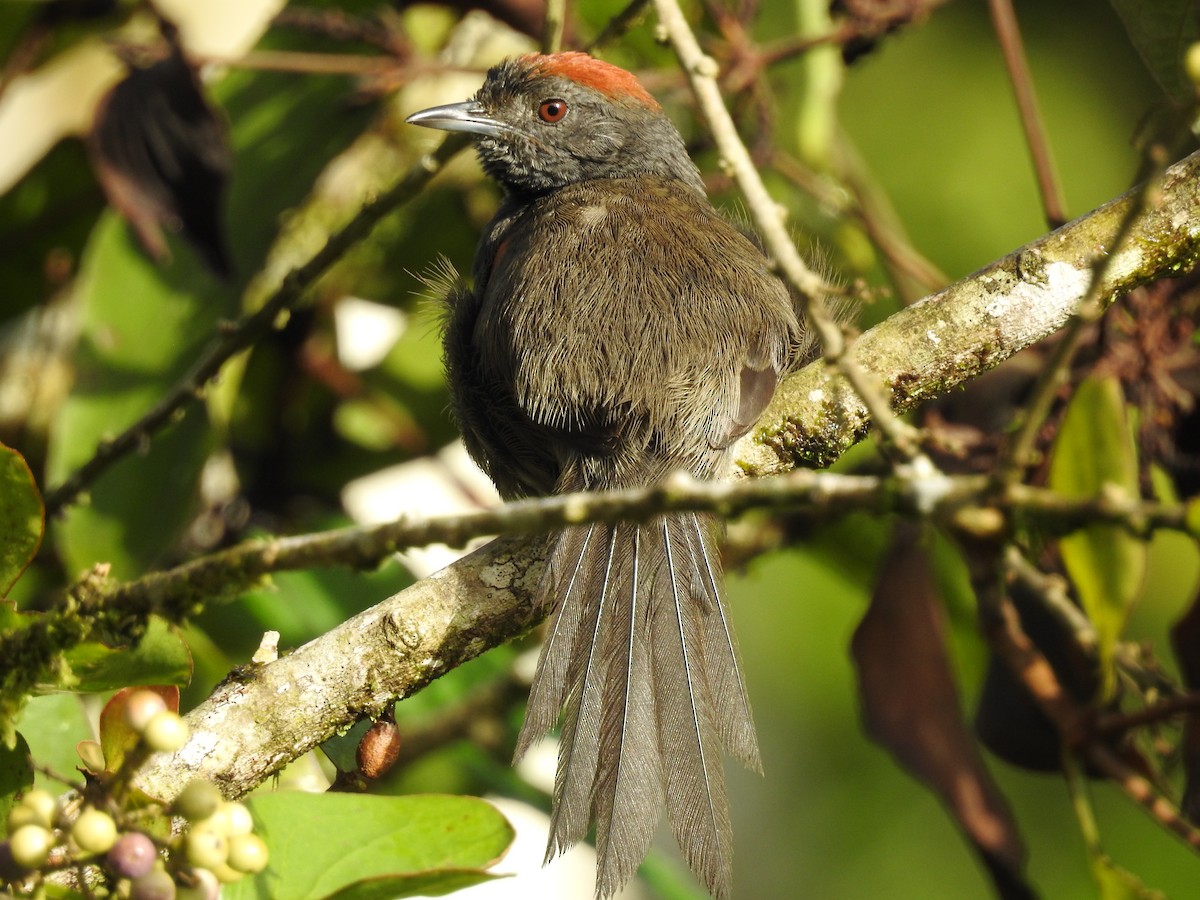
x,y
423,884
21,517
53,725
1116,883
16,776
160,657
141,328
357,846
1162,31
1095,452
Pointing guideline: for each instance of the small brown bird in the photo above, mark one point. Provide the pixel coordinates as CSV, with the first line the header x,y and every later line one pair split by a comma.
x,y
618,330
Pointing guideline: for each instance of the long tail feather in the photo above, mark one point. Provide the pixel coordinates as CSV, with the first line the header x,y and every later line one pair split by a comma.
x,y
579,748
642,664
735,724
566,577
687,734
628,794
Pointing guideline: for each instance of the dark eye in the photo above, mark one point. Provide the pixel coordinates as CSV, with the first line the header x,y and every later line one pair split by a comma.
x,y
552,110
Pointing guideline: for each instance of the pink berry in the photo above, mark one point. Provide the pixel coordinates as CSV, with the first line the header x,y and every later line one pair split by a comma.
x,y
132,856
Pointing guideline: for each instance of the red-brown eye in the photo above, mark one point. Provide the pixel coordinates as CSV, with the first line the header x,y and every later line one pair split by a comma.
x,y
552,110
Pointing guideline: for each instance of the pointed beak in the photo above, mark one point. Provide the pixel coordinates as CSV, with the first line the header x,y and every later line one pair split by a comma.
x,y
467,116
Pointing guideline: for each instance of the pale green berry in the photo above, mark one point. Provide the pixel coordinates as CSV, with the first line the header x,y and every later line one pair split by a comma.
x,y
43,805
234,819
199,800
226,874
141,707
154,885
248,853
22,815
166,732
206,847
30,845
94,831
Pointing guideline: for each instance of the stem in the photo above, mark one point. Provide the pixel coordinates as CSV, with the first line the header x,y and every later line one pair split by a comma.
x,y
1008,33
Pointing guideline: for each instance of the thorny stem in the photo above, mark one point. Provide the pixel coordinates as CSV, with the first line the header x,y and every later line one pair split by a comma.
x,y
1008,33
701,71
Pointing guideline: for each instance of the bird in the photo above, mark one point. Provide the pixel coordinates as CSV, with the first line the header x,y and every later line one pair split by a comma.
x,y
617,329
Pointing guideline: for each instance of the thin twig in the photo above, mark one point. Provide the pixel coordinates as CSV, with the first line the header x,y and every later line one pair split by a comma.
x,y
817,495
252,327
620,23
1008,33
1008,640
554,26
701,71
120,611
1052,591
1119,723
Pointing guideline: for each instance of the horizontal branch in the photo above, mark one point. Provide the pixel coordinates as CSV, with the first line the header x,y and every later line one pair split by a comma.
x,y
397,647
815,495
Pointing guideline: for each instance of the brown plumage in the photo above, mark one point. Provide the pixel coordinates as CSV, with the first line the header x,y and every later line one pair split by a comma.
x,y
618,330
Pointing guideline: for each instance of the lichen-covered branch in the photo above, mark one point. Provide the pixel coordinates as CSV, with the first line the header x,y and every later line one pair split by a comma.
x,y
256,723
950,337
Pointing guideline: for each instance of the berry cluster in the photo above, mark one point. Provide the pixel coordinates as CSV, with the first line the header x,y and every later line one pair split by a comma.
x,y
112,840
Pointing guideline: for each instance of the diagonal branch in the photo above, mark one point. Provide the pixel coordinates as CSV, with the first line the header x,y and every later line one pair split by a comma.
x,y
950,337
252,727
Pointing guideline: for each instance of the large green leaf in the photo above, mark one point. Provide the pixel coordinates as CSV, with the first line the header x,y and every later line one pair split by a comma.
x,y
21,517
16,775
1094,452
358,846
1162,31
420,884
54,725
161,656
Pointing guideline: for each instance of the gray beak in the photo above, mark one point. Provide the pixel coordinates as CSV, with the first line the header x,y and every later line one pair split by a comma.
x,y
467,116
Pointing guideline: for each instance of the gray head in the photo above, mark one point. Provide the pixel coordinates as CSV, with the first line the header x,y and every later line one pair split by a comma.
x,y
544,121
